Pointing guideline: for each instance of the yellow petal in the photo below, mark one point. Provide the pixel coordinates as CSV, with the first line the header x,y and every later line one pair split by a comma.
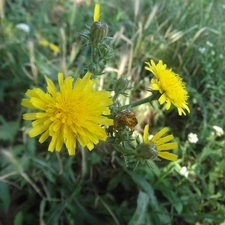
x,y
97,12
165,139
145,136
168,104
44,136
29,116
90,146
159,135
162,99
59,142
26,103
168,156
50,86
37,130
34,92
38,122
70,143
60,79
168,146
39,103
154,85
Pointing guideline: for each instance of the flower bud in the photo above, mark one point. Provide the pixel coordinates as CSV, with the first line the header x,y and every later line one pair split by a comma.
x,y
121,85
98,31
147,151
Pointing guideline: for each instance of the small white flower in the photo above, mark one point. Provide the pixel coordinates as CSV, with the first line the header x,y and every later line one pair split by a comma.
x,y
184,171
24,27
213,52
192,138
202,50
218,131
210,44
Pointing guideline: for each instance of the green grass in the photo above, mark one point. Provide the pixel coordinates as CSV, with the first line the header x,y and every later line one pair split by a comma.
x,y
38,187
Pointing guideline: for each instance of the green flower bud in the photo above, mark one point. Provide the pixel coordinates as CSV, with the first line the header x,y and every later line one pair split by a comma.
x,y
147,151
98,31
121,85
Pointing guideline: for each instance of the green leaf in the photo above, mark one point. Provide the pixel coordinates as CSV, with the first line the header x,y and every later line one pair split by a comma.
x,y
144,185
18,219
8,130
139,216
171,196
4,196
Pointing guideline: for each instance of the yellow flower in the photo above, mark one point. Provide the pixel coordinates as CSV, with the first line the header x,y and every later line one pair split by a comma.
x,y
54,48
158,144
75,112
170,86
44,43
97,12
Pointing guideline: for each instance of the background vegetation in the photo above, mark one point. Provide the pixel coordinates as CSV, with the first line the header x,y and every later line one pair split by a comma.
x,y
38,187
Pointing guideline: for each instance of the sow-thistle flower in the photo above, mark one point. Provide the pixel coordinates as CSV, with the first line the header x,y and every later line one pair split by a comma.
x,y
157,146
75,112
170,86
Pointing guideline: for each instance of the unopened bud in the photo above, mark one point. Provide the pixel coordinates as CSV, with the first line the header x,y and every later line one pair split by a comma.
x,y
99,31
121,85
147,151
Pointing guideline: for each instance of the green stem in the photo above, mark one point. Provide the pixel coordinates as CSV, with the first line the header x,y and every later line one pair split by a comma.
x,y
83,162
92,53
140,102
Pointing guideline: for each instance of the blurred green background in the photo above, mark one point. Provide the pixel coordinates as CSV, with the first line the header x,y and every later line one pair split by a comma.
x,y
38,187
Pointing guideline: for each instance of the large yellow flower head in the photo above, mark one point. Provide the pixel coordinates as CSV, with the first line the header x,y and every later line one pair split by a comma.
x,y
158,144
75,112
170,86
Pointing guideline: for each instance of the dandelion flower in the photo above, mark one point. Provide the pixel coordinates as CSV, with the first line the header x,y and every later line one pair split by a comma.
x,y
170,86
54,48
44,43
158,144
75,112
97,12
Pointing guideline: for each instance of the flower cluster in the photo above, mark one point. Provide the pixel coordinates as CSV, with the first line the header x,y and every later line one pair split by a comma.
x,y
76,112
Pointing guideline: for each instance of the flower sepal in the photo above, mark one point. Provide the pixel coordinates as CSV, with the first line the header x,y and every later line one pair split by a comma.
x,y
146,152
